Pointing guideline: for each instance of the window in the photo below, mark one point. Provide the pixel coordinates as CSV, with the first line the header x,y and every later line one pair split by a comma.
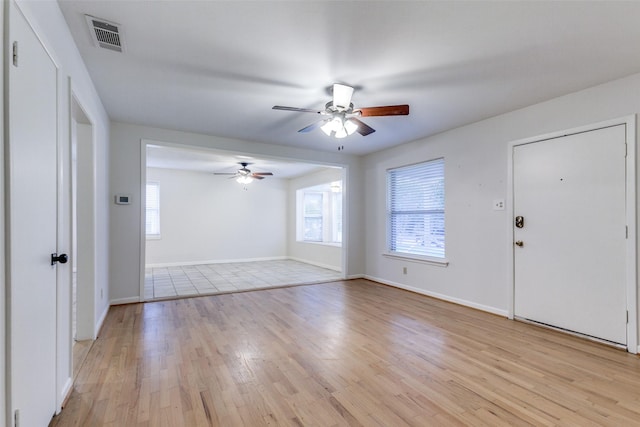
x,y
313,216
415,217
336,214
153,210
319,217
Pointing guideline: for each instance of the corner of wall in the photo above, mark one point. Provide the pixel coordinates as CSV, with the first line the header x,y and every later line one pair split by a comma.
x,y
3,300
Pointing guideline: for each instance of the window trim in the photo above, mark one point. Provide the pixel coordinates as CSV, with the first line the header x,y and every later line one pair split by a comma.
x,y
442,262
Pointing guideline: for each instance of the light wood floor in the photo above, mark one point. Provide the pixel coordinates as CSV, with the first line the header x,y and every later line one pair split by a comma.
x,y
343,353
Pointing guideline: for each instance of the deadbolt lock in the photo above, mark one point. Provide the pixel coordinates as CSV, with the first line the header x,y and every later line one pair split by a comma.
x,y
519,221
519,243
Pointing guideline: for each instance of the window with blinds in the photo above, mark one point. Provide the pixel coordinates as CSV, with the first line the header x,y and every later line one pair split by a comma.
x,y
153,210
415,217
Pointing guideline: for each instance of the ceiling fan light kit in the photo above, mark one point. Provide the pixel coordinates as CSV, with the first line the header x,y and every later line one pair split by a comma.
x,y
339,127
244,179
244,175
342,120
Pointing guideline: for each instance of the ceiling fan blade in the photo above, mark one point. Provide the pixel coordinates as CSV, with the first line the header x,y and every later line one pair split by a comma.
x,y
342,96
296,109
224,173
363,128
263,173
313,126
253,175
389,110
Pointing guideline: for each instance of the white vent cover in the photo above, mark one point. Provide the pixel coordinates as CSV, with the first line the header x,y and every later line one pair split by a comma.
x,y
105,34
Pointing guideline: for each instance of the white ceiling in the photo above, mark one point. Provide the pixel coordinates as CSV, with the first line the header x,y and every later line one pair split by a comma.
x,y
210,161
217,67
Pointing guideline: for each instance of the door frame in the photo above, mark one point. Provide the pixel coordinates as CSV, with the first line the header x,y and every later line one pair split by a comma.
x,y
86,296
143,190
631,285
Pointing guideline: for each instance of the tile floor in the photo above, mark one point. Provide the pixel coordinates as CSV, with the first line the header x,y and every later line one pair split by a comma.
x,y
208,279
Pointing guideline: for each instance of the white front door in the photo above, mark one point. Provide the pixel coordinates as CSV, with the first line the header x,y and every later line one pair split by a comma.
x,y
32,221
570,269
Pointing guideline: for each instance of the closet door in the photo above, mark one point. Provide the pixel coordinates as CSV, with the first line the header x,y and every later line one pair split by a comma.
x,y
32,221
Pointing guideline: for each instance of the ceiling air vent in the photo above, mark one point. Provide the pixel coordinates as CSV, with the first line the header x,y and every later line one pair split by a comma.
x,y
105,34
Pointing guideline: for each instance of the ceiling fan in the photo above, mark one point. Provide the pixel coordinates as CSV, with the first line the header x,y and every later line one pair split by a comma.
x,y
341,118
244,175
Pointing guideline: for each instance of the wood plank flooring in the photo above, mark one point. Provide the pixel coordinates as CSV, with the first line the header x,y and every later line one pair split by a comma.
x,y
350,353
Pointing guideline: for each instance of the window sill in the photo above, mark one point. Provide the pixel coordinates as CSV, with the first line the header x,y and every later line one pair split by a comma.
x,y
153,237
440,262
335,245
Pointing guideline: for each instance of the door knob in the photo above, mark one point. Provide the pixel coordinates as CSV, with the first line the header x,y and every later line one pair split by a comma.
x,y
519,243
62,258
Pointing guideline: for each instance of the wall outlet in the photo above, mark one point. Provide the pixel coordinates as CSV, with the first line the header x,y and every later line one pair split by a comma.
x,y
404,270
498,205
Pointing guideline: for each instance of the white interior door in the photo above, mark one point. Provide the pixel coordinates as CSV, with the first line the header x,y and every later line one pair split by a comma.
x,y
32,219
570,270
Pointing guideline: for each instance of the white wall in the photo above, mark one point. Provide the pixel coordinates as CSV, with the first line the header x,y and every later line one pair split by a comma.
x,y
49,24
208,218
3,287
126,178
329,256
475,175
86,261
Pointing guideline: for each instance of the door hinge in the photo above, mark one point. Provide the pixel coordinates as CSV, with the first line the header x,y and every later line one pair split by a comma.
x,y
625,149
16,418
626,231
15,54
627,316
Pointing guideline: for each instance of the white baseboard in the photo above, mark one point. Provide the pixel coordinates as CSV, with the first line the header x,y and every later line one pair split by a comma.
x,y
101,321
356,276
119,301
66,392
443,297
317,264
213,261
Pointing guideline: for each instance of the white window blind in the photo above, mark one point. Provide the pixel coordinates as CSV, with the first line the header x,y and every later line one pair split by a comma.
x,y
416,209
153,210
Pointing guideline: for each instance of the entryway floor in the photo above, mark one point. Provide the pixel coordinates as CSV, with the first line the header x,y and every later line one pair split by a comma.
x,y
209,279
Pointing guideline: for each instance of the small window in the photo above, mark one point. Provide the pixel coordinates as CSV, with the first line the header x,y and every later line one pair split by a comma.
x,y
153,210
415,217
319,213
313,216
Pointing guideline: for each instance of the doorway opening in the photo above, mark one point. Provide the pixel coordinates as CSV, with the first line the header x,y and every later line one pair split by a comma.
x,y
203,233
83,235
